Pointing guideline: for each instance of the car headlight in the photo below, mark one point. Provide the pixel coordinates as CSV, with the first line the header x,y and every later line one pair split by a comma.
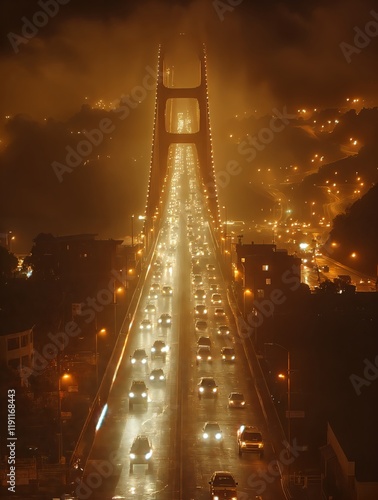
x,y
201,389
164,349
152,377
205,435
209,358
161,377
159,321
243,443
223,357
133,360
131,394
153,349
205,311
168,320
198,357
148,455
148,327
144,394
218,435
144,361
216,498
132,456
242,403
261,445
232,357
214,389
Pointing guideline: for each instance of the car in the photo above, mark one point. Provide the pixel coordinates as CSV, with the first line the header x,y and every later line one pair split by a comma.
x,y
204,341
165,320
141,452
201,325
219,312
155,287
156,275
167,291
203,354
200,294
157,375
236,400
223,486
139,357
207,387
197,279
211,432
223,330
159,350
200,310
152,295
216,298
150,309
210,267
214,287
249,440
145,324
138,394
228,354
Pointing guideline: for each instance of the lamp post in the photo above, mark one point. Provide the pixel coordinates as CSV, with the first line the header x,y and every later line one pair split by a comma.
x,y
65,376
102,331
288,391
132,231
246,291
115,291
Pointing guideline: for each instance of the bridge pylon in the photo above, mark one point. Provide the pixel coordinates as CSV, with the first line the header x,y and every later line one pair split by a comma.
x,y
164,137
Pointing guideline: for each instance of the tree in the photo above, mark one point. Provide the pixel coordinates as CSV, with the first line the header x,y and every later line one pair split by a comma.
x,y
8,264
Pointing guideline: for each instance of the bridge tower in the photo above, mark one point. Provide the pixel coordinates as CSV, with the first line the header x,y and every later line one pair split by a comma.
x,y
163,139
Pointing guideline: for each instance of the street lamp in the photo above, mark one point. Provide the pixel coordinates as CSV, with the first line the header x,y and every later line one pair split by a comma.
x,y
247,291
116,290
102,331
132,231
65,377
288,390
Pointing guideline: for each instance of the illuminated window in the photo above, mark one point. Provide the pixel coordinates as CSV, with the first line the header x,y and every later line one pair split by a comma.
x,y
265,267
260,293
268,281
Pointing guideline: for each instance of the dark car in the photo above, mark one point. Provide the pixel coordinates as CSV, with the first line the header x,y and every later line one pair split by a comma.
x,y
139,357
165,320
207,387
141,452
159,350
157,375
138,394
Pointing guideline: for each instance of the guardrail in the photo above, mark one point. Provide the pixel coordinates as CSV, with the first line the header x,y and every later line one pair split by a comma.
x,y
85,442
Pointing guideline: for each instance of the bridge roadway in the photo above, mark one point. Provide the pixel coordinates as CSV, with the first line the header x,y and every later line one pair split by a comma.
x,y
182,462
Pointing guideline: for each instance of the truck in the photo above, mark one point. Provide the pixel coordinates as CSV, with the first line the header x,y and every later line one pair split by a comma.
x,y
250,440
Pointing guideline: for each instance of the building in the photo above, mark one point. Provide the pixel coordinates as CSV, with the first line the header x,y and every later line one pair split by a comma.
x,y
74,258
349,471
262,268
16,347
